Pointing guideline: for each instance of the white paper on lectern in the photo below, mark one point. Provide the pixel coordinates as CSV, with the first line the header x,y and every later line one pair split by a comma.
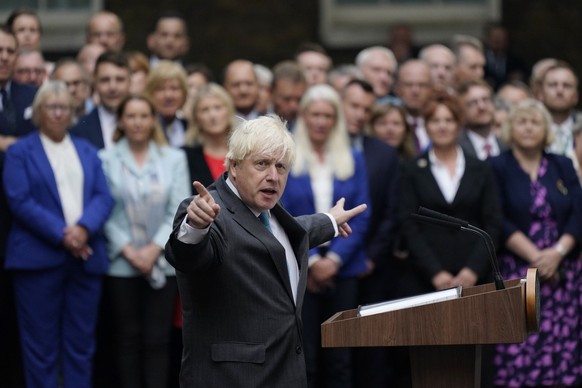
x,y
413,301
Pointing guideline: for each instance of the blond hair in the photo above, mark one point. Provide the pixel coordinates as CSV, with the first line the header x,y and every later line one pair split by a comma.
x,y
527,107
195,133
266,136
338,146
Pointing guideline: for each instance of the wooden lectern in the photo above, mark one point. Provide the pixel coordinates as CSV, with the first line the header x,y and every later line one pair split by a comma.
x,y
445,337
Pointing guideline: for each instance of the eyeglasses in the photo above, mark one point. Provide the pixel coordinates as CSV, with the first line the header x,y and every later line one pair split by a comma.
x,y
477,101
37,71
53,108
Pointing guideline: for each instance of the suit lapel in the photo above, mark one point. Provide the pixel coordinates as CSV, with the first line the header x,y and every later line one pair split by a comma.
x,y
428,180
468,181
243,216
42,163
87,173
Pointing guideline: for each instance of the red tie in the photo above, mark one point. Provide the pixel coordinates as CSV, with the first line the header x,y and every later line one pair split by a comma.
x,y
487,148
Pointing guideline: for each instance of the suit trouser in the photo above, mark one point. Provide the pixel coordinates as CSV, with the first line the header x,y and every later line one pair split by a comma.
x,y
57,312
330,367
142,326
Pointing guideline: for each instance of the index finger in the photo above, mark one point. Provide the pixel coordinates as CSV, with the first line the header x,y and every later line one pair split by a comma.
x,y
201,190
356,210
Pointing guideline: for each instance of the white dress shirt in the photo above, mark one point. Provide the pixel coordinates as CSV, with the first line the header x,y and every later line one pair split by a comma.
x,y
563,139
68,173
448,184
479,142
108,122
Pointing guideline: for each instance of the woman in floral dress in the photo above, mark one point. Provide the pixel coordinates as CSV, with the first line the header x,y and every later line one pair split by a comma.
x,y
542,200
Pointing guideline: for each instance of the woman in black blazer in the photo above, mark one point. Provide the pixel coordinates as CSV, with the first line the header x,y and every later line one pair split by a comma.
x,y
446,180
213,117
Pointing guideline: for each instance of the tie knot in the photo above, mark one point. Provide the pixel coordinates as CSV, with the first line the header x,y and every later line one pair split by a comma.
x,y
487,148
264,218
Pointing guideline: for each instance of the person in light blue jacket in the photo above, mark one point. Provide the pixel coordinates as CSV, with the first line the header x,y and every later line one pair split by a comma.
x,y
148,180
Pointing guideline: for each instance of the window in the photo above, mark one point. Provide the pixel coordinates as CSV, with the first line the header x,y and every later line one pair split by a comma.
x,y
63,21
352,23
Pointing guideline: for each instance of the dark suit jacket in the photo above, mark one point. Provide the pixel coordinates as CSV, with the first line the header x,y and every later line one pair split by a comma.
x,y
434,248
382,167
469,149
21,96
564,195
89,128
241,326
35,239
197,166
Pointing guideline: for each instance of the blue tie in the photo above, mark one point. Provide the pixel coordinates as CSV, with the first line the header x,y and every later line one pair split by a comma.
x,y
264,217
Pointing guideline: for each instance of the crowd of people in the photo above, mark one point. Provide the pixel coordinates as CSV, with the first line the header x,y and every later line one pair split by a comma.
x,y
98,151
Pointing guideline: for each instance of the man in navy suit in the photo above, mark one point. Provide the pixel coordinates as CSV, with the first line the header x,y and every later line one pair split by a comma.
x,y
111,82
358,100
15,114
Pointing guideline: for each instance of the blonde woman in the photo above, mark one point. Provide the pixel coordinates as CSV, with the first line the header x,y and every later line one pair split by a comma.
x,y
327,169
541,198
213,117
167,88
148,179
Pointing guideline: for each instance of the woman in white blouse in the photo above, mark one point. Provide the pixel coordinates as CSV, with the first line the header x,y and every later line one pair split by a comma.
x,y
148,179
56,252
446,180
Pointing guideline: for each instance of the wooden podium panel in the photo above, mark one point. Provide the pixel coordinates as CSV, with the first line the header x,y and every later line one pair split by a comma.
x,y
445,337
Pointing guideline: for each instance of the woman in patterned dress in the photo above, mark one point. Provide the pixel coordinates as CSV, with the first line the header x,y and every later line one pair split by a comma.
x,y
542,200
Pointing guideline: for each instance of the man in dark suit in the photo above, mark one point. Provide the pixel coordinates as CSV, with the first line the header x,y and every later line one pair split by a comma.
x,y
241,263
382,165
477,139
15,114
111,82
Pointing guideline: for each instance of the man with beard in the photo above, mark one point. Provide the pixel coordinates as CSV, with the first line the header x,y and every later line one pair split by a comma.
x,y
478,139
559,93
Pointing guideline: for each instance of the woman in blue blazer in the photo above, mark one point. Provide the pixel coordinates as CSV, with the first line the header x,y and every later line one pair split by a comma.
x,y
327,169
148,180
542,227
59,198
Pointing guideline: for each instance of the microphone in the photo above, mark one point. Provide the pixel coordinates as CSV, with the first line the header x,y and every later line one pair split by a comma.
x,y
434,217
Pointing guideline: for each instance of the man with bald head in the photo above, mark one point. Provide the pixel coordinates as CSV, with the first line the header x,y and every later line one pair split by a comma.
x,y
415,89
378,66
240,81
106,29
76,78
87,57
441,62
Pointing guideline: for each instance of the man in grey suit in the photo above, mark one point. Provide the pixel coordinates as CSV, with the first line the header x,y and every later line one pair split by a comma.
x,y
241,263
